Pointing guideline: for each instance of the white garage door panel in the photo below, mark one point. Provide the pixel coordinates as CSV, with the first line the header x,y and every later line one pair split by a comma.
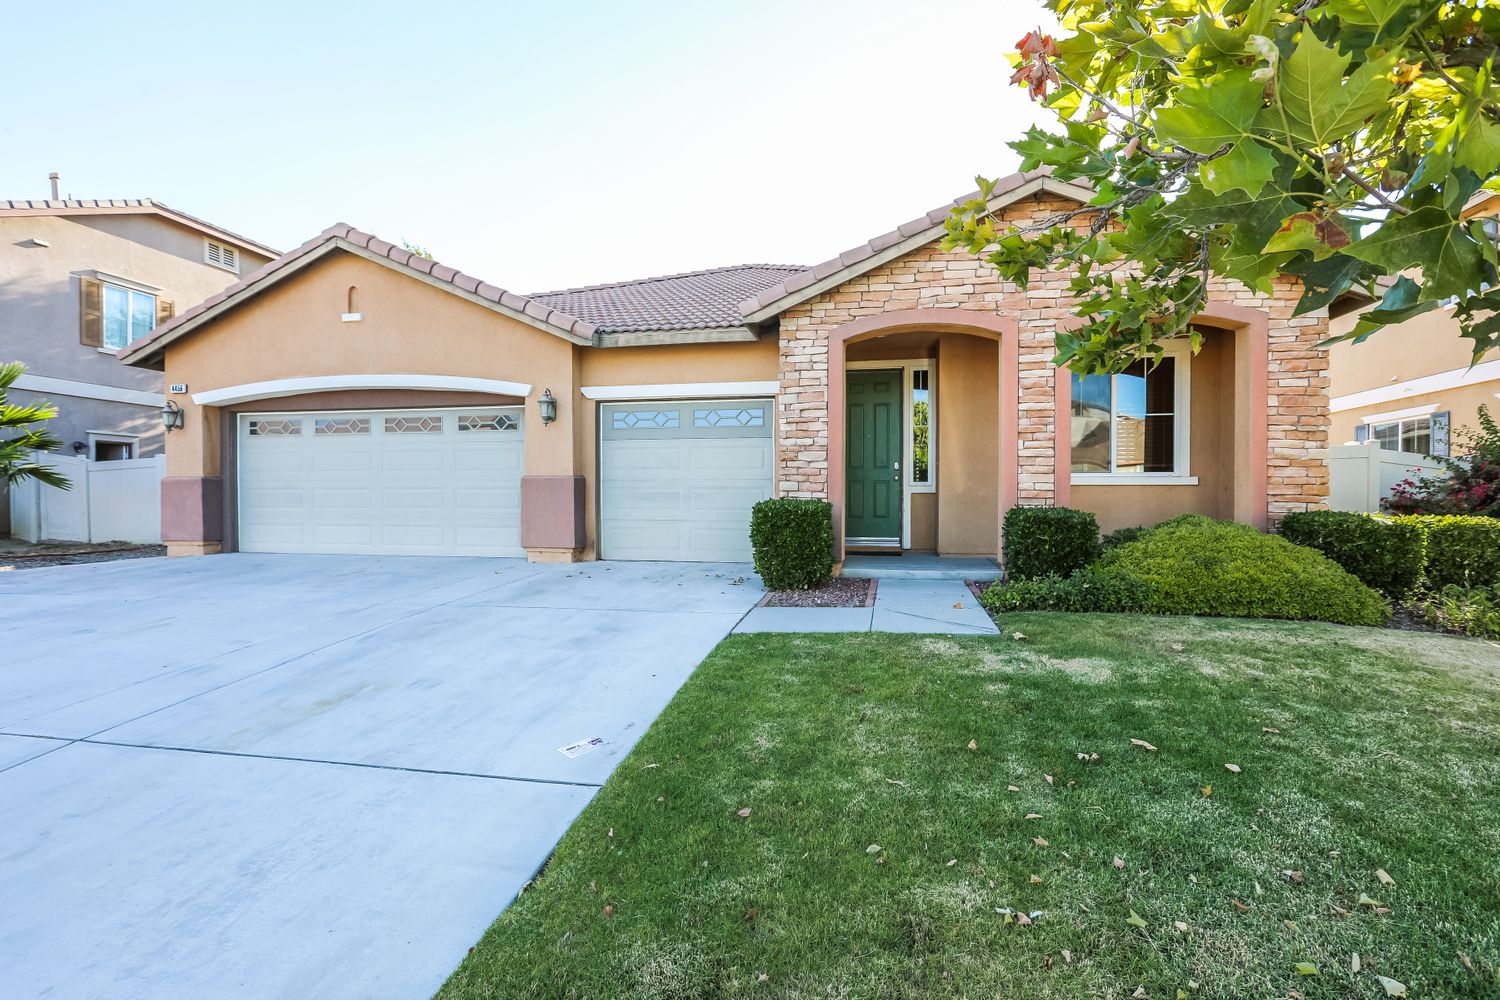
x,y
410,482
678,479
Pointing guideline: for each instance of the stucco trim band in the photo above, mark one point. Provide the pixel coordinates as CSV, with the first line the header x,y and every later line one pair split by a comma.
x,y
681,390
1485,371
89,390
276,388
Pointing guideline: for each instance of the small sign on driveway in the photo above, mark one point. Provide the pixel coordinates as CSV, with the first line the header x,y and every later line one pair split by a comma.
x,y
581,747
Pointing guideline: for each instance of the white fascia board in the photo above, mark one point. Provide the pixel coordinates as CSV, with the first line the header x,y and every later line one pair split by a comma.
x,y
1485,371
89,390
277,388
1390,415
681,390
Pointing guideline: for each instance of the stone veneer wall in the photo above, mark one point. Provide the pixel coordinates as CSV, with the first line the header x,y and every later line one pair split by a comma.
x,y
1297,378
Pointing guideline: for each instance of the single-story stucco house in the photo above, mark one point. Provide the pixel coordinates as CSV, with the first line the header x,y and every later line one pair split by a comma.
x,y
353,397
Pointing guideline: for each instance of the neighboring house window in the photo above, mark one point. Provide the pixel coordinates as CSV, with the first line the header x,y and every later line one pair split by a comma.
x,y
128,314
1133,423
1424,435
923,474
115,311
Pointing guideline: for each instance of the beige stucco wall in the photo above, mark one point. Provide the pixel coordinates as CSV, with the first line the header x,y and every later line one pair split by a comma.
x,y
1462,405
294,329
1212,432
1424,345
968,461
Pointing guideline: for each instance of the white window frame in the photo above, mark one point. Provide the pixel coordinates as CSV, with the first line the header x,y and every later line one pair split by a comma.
x,y
908,488
1400,424
1181,352
98,437
130,289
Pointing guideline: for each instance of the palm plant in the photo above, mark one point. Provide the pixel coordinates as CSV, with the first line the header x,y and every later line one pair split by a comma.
x,y
16,453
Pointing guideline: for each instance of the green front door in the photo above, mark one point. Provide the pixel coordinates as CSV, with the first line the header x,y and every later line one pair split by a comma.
x,y
872,456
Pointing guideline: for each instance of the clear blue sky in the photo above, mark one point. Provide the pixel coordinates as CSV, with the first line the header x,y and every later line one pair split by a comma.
x,y
534,144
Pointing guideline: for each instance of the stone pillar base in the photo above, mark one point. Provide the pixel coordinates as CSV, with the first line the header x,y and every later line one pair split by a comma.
x,y
194,548
553,555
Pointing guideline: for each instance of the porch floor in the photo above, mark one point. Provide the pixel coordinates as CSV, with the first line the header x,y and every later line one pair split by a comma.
x,y
921,566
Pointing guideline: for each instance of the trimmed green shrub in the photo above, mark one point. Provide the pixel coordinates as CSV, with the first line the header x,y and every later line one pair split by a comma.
x,y
1194,565
1085,590
1121,536
1383,553
1462,549
1467,610
793,542
1048,541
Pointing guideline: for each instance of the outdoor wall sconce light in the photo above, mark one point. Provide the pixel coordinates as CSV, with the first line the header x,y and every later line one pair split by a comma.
x,y
171,416
547,404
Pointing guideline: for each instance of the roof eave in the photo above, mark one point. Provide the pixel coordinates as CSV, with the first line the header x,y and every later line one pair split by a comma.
x,y
63,209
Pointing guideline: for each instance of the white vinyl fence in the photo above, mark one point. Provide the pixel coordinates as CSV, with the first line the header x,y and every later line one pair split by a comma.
x,y
109,502
1361,475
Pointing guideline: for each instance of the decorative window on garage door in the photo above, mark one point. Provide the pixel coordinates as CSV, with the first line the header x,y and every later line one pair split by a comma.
x,y
730,416
341,425
431,423
488,422
622,420
275,427
691,418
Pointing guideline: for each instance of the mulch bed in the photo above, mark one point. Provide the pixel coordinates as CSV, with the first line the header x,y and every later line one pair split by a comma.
x,y
840,592
44,558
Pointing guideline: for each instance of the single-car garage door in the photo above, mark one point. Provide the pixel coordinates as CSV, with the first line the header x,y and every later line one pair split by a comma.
x,y
677,479
401,482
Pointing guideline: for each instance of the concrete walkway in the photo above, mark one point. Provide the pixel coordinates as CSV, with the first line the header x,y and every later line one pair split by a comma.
x,y
258,777
938,607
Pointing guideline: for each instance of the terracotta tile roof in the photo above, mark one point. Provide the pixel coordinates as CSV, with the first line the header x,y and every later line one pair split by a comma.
x,y
861,258
693,300
130,206
538,313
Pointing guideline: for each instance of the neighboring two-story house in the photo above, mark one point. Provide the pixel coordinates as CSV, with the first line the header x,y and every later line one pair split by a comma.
x,y
1412,387
80,279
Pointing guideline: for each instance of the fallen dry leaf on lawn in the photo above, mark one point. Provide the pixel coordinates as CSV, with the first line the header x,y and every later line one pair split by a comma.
x,y
1354,963
1270,729
893,781
1367,901
1293,876
873,849
1136,920
1207,790
1242,907
1023,920
1391,987
1049,779
1178,647
1180,925
1305,969
744,813
1385,879
1036,880
1119,863
1067,956
1140,994
1033,815
611,832
609,909
1039,841
762,978
1019,636
1466,962
1232,768
973,744
1142,744
1011,788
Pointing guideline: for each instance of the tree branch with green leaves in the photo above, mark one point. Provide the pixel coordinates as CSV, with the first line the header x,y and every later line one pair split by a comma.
x,y
1335,141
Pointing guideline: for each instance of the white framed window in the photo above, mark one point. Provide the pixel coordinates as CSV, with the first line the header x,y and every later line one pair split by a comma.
x,y
1421,434
105,447
1132,427
921,428
221,255
128,313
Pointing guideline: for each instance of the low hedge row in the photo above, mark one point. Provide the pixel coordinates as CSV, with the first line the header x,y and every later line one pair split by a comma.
x,y
1461,550
1385,554
1048,541
792,542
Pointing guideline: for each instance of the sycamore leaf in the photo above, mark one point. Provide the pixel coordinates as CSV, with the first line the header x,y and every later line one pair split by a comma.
x,y
1384,876
1210,114
1380,16
1232,768
1135,920
1354,964
1142,744
1119,864
1314,104
1248,167
1180,925
1306,969
1365,900
1428,238
1033,815
973,744
1392,987
744,813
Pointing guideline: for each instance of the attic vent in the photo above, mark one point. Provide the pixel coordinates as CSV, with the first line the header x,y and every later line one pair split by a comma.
x,y
223,256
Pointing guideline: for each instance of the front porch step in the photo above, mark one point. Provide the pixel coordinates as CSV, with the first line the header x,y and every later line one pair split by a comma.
x,y
921,567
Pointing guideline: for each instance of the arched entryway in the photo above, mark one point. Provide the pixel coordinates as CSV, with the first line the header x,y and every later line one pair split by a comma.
x,y
969,372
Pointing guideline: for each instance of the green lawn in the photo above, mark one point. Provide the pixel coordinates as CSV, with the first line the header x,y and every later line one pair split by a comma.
x,y
1387,757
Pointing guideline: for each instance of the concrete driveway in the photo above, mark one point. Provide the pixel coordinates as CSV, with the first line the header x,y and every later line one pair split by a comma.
x,y
253,776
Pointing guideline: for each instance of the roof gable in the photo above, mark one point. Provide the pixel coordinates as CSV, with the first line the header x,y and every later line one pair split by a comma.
x,y
146,352
694,300
919,232
131,206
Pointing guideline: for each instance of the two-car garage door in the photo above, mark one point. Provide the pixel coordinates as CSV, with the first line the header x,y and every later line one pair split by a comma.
x,y
407,482
677,479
